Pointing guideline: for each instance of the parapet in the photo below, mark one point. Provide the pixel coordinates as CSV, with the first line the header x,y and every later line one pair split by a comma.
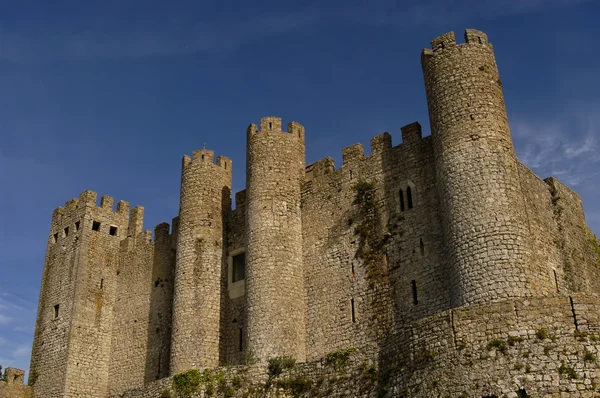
x,y
240,199
353,152
381,143
206,157
273,123
411,133
89,198
319,168
136,221
14,376
448,40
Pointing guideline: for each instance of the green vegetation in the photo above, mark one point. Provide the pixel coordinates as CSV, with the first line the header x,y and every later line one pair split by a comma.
x,y
498,344
589,356
279,364
187,383
166,394
339,358
542,334
547,349
568,371
513,340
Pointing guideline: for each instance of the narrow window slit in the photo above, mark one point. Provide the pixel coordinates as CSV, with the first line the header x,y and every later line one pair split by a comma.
x,y
56,310
241,339
202,158
422,247
401,195
270,126
409,197
76,225
414,292
55,238
66,232
556,281
353,311
101,283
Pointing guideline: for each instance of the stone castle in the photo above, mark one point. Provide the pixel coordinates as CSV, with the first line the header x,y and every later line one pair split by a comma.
x,y
442,263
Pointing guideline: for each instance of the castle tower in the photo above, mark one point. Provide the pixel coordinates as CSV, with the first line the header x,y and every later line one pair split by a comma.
x,y
485,225
205,200
274,276
71,348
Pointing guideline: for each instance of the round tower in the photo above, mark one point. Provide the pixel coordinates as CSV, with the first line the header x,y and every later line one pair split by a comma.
x,y
485,224
205,199
274,276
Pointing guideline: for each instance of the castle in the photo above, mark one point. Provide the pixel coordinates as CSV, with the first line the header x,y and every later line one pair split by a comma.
x,y
434,249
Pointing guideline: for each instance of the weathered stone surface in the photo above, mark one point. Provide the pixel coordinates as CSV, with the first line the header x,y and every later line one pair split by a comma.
x,y
447,266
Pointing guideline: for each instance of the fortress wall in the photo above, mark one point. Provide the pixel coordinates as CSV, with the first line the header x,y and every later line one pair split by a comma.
x,y
581,252
546,260
12,385
161,301
233,323
335,275
520,346
131,310
94,297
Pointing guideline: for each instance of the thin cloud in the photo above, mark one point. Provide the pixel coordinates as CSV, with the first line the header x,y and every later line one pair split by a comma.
x,y
561,147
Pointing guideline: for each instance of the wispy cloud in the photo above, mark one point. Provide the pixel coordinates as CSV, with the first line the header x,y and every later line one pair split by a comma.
x,y
223,35
567,147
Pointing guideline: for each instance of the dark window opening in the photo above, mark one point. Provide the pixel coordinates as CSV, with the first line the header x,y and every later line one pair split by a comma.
x,y
202,158
156,283
96,226
101,283
55,238
56,310
66,232
352,264
422,247
225,165
555,280
414,292
409,197
239,267
353,311
76,225
113,231
241,340
521,393
401,194
270,126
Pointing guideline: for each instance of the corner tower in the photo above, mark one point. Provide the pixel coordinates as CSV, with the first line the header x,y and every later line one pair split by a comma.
x,y
274,278
205,201
485,225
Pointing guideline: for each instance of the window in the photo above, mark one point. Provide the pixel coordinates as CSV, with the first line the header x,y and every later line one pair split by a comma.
x,y
96,226
353,311
66,232
241,340
409,197
113,231
401,194
77,226
101,283
422,247
56,311
414,292
239,268
55,238
270,126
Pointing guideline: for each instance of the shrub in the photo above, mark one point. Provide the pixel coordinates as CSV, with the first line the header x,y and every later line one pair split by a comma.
x,y
279,364
542,334
498,344
339,358
186,383
568,371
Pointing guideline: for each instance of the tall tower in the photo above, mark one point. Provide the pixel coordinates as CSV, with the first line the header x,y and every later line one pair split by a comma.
x,y
205,200
274,277
485,226
71,348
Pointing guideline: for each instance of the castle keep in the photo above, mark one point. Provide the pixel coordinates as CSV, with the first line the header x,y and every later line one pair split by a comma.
x,y
437,249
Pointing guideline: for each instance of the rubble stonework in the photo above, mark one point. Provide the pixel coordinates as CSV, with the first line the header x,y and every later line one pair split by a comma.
x,y
440,266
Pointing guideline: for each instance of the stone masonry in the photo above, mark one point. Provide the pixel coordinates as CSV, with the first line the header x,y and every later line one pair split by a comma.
x,y
440,266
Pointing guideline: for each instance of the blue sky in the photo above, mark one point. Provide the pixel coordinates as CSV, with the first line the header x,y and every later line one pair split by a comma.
x,y
109,97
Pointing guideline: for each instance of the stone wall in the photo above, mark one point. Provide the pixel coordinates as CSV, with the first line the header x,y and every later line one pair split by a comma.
x,y
11,384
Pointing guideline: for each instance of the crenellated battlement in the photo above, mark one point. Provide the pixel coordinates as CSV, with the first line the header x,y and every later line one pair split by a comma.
x,y
274,124
319,168
206,157
448,40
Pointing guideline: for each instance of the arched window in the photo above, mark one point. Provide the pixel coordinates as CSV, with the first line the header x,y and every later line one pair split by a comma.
x,y
409,197
401,194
